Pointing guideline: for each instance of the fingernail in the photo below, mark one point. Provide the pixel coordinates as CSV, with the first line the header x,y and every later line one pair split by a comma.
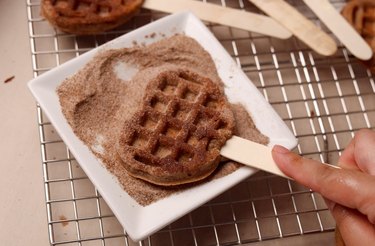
x,y
280,149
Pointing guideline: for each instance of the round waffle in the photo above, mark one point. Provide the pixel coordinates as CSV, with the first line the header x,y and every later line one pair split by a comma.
x,y
176,135
361,15
88,16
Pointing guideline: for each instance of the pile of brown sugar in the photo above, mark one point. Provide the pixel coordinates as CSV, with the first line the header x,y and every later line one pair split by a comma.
x,y
101,96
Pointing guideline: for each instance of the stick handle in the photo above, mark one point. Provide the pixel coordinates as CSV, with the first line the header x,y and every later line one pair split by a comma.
x,y
222,15
299,25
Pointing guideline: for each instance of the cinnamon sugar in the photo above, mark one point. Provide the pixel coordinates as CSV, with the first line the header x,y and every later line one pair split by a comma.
x,y
98,99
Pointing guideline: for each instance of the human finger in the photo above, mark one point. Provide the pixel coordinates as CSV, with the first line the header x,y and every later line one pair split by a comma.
x,y
352,189
347,159
353,226
364,150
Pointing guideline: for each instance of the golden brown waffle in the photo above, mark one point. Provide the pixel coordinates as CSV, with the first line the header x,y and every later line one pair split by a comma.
x,y
176,136
361,15
88,16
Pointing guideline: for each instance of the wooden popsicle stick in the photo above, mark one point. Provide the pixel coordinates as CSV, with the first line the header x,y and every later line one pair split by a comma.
x,y
341,28
225,16
299,25
252,154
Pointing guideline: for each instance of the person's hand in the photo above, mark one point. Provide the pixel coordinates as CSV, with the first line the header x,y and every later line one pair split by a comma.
x,y
349,191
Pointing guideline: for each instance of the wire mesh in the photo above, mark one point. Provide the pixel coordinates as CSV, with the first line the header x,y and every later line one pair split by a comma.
x,y
323,101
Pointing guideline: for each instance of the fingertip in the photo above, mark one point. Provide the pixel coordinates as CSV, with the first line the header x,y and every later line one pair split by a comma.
x,y
282,155
278,154
284,159
363,150
304,171
365,133
280,149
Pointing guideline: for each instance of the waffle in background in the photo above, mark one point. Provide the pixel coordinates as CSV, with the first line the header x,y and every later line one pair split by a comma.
x,y
88,16
361,14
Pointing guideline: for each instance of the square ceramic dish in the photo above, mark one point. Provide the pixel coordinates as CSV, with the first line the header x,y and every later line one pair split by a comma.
x,y
139,221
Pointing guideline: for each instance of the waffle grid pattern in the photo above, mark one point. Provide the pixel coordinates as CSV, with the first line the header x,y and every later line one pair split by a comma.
x,y
181,118
75,8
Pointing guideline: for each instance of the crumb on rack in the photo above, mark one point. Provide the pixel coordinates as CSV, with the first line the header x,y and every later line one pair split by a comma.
x,y
64,223
312,114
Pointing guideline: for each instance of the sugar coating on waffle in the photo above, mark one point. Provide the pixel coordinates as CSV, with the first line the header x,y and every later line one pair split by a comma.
x,y
361,15
176,135
88,16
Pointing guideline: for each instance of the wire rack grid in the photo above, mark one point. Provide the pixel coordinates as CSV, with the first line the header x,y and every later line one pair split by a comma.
x,y
323,101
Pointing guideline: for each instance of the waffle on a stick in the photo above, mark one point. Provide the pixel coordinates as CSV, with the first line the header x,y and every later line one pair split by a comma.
x,y
176,135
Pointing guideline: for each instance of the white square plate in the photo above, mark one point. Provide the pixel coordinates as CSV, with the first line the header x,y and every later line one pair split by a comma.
x,y
138,221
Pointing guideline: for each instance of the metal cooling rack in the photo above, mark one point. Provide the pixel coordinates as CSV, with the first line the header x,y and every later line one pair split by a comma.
x,y
323,101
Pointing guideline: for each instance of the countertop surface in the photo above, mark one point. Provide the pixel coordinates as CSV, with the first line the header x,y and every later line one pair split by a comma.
x,y
23,209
